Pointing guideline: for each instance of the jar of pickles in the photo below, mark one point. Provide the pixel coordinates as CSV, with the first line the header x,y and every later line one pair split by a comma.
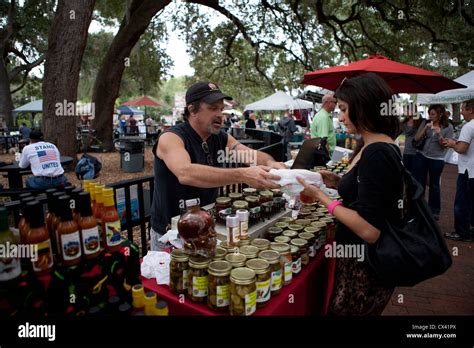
x,y
239,205
236,259
282,239
274,232
276,276
289,233
250,252
243,291
296,260
249,191
302,244
220,254
235,196
285,260
261,244
266,196
179,272
311,239
223,208
198,281
262,271
218,297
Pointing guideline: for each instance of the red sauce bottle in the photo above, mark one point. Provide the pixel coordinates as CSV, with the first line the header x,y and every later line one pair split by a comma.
x,y
68,234
111,222
90,237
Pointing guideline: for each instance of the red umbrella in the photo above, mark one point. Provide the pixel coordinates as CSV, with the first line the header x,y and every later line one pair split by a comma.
x,y
402,78
142,101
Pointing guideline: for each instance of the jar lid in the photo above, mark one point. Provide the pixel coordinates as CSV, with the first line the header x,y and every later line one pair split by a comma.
x,y
223,200
282,225
302,222
236,259
294,249
250,190
220,268
295,227
325,219
242,275
249,251
282,239
280,247
260,243
179,255
243,242
289,233
226,246
198,261
235,195
268,204
260,266
299,242
275,230
307,235
285,219
251,199
240,205
312,229
322,210
242,214
232,221
266,193
319,224
220,252
275,191
305,211
319,214
271,256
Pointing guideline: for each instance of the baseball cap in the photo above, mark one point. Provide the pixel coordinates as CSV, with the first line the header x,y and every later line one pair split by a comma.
x,y
207,92
36,135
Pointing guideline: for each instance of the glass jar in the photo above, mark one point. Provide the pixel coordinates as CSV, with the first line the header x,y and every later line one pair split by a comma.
x,y
243,291
243,216
278,204
285,260
266,196
250,252
322,210
239,205
303,222
219,273
261,244
244,242
296,260
282,239
330,226
273,232
295,227
179,272
262,271
304,213
322,232
276,193
276,276
220,254
289,233
249,191
223,208
311,239
266,209
309,207
198,281
302,244
254,208
236,259
229,248
282,225
235,196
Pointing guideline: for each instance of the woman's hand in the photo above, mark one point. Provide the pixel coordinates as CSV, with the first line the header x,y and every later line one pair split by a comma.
x,y
314,192
330,179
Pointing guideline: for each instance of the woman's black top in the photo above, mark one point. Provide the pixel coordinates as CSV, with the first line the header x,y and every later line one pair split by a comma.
x,y
373,187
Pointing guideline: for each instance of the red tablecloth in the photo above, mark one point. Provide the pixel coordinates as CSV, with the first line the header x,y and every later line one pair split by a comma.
x,y
308,293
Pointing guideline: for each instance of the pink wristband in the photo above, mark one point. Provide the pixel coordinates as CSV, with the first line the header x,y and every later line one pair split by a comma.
x,y
333,205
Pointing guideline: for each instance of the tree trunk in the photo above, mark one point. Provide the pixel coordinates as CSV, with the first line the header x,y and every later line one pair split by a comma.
x,y
456,113
6,103
107,83
66,43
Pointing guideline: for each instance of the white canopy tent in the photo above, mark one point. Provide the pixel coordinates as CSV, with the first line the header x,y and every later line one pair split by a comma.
x,y
279,101
34,106
453,95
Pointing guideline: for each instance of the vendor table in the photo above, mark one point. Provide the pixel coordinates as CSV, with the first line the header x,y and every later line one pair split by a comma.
x,y
307,294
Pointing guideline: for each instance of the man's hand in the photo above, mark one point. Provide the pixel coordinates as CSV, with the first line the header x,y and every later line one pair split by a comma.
x,y
276,165
330,179
449,142
260,178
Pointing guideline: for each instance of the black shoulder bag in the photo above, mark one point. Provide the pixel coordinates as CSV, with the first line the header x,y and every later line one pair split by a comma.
x,y
413,250
420,144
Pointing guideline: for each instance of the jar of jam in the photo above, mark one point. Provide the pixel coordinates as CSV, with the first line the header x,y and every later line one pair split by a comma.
x,y
274,232
243,291
236,260
261,244
286,219
229,248
311,239
179,271
198,278
278,204
309,207
289,233
302,245
322,232
296,227
235,196
303,222
282,225
276,193
239,205
220,254
262,271
282,239
223,208
285,260
296,260
330,226
266,196
267,209
304,213
250,252
219,279
276,275
254,208
313,217
249,191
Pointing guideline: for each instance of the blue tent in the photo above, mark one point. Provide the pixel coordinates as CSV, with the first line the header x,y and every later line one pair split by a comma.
x,y
128,110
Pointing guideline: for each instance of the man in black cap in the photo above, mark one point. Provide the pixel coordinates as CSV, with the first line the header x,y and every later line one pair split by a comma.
x,y
188,157
45,162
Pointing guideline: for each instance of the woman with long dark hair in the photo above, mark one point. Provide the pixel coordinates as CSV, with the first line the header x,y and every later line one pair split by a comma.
x,y
371,191
429,161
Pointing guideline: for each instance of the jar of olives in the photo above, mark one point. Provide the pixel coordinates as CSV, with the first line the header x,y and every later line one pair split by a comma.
x,y
218,297
239,205
179,272
249,191
261,244
311,239
276,276
285,260
274,232
289,233
262,272
198,281
282,239
223,208
302,244
235,196
296,260
250,252
236,259
266,196
243,291
220,254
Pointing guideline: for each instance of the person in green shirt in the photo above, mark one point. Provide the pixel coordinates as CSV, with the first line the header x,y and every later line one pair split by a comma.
x,y
322,126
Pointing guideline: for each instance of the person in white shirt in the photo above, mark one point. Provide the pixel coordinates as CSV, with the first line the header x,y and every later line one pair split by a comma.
x,y
464,201
45,162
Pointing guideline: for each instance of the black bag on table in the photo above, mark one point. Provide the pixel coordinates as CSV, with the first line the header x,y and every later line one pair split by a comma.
x,y
313,153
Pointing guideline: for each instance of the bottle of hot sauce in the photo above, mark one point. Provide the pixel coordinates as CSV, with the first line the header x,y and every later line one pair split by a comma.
x,y
10,267
23,225
88,226
111,222
99,206
68,233
55,222
38,236
74,196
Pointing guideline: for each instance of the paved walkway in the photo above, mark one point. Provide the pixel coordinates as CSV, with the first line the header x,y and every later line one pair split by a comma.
x,y
453,292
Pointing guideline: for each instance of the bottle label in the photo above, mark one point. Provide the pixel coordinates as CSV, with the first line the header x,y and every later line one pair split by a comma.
x,y
113,235
222,295
296,266
276,280
250,303
244,229
200,285
233,235
225,212
263,291
185,279
71,246
10,268
45,256
99,227
90,240
288,272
